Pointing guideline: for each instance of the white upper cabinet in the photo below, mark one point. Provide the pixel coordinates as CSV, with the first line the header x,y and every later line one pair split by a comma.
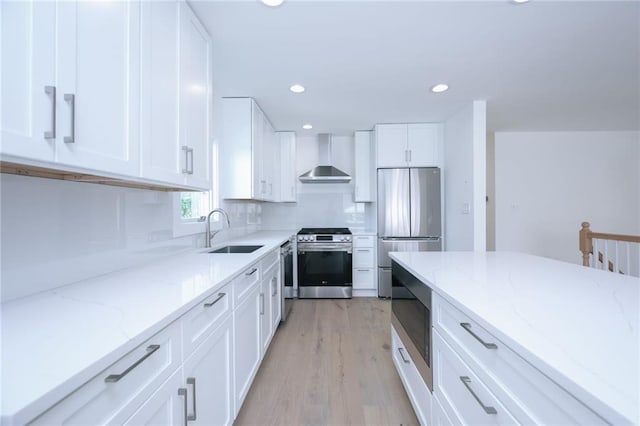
x,y
97,71
28,73
364,168
287,163
195,99
249,164
160,53
117,89
408,145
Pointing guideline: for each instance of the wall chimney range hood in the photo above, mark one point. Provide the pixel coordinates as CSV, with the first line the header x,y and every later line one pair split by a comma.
x,y
325,172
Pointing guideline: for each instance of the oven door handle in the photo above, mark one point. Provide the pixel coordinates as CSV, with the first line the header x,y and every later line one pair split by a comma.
x,y
319,248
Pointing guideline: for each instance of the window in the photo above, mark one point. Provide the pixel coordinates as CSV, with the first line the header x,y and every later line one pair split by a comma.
x,y
190,207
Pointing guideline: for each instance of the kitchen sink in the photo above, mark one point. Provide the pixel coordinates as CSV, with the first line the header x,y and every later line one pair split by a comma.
x,y
236,249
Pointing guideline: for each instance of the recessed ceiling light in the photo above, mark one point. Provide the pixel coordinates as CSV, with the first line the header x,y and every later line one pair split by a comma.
x,y
272,3
439,88
307,127
297,88
520,1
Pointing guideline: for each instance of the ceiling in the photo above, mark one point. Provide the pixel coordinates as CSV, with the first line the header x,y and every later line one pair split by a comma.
x,y
543,65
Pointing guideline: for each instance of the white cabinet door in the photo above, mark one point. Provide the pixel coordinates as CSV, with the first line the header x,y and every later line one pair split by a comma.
x,y
423,143
195,100
364,279
364,168
266,325
391,142
98,55
208,376
276,299
28,68
165,407
160,146
287,166
246,345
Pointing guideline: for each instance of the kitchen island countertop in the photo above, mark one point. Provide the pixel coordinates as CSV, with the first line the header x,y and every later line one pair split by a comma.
x,y
54,341
579,326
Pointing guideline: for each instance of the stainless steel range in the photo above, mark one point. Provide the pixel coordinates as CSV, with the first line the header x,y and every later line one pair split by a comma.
x,y
324,263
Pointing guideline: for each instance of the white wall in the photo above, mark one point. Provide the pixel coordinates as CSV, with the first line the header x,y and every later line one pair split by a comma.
x,y
56,232
321,204
465,179
547,183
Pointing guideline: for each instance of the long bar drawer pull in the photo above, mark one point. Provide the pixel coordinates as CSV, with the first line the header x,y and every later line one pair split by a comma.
x,y
194,416
183,393
253,271
467,327
487,409
210,304
116,377
406,361
71,98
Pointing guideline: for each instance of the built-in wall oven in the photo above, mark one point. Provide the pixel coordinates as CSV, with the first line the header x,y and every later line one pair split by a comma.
x,y
411,318
324,263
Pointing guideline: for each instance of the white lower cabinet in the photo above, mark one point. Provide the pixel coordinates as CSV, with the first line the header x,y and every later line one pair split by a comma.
x,y
208,375
465,398
438,416
114,394
364,266
165,407
418,392
247,344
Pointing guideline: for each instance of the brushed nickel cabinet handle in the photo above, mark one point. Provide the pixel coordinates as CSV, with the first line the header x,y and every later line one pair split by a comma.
x,y
210,304
185,169
113,378
183,393
466,381
190,160
261,303
51,90
406,361
192,381
71,98
467,327
253,271
409,155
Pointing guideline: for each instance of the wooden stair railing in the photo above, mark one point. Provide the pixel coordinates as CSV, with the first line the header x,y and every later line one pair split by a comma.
x,y
624,260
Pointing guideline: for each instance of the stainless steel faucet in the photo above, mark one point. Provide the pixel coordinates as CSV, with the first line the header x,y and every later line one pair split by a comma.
x,y
208,234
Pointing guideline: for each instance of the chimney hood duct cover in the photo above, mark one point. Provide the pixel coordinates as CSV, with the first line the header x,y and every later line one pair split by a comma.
x,y
325,172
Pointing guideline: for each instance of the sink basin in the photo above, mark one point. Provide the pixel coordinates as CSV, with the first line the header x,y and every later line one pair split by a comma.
x,y
236,249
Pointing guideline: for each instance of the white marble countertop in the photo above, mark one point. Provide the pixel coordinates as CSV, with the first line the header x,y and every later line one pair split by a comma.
x,y
54,341
577,325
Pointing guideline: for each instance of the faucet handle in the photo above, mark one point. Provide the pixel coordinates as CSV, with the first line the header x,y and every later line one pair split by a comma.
x,y
202,218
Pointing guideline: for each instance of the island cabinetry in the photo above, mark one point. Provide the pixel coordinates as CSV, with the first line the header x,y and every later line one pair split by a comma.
x,y
114,394
462,348
418,392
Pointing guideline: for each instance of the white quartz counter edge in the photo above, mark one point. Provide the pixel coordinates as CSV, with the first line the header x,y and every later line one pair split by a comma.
x,y
55,341
603,405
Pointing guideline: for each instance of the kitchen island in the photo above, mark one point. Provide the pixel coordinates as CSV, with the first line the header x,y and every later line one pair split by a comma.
x,y
577,327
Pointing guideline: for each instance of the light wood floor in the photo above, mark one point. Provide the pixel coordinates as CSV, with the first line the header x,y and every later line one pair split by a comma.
x,y
330,364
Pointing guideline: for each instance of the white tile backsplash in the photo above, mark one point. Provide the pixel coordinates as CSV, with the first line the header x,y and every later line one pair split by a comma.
x,y
57,232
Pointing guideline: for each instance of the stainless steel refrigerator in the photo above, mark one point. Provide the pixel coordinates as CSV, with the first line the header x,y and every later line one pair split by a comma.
x,y
409,216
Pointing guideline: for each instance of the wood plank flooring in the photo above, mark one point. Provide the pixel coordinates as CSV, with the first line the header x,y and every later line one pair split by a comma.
x,y
330,364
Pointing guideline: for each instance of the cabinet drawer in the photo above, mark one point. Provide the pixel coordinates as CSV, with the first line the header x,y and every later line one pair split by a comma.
x,y
363,258
464,397
269,260
363,241
244,282
363,279
204,318
417,390
114,394
531,396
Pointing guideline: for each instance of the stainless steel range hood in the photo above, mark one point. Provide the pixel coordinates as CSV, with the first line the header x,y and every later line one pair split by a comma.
x,y
325,172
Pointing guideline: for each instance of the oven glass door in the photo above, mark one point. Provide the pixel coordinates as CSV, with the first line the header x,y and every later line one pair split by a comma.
x,y
324,267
